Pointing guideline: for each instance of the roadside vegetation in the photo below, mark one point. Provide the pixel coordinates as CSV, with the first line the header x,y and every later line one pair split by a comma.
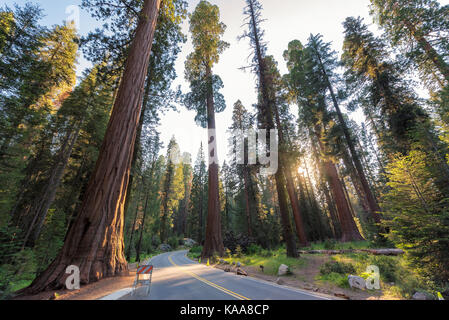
x,y
398,279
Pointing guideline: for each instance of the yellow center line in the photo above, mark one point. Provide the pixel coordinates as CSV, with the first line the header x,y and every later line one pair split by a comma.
x,y
216,286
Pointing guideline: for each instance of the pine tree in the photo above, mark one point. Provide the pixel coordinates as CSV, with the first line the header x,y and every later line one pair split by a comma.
x,y
198,199
402,121
418,212
310,94
45,170
253,13
421,29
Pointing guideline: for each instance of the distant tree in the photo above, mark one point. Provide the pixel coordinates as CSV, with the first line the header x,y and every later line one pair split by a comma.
x,y
172,190
198,200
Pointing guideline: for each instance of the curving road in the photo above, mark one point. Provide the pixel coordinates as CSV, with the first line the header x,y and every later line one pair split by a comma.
x,y
176,277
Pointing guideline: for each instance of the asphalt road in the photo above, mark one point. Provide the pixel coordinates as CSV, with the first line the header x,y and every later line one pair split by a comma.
x,y
176,277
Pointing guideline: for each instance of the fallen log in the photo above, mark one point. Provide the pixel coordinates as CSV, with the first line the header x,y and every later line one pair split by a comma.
x,y
378,252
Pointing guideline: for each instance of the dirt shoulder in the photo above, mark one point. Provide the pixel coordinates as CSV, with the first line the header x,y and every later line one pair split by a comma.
x,y
93,291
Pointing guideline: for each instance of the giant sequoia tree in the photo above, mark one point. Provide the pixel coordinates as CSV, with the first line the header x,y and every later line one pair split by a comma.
x,y
94,242
206,30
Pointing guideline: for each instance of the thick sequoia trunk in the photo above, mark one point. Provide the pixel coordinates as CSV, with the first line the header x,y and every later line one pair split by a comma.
x,y
297,214
247,201
291,189
287,232
349,229
332,211
214,241
137,147
95,241
200,218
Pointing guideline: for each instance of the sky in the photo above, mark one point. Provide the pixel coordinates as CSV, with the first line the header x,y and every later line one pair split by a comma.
x,y
286,20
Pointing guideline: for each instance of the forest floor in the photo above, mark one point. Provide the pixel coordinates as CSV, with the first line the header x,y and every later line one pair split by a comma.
x,y
93,291
328,273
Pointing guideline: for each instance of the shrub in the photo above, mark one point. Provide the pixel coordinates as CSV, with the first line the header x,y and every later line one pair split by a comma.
x,y
337,267
387,267
266,253
231,241
254,249
336,278
330,244
195,252
238,251
173,242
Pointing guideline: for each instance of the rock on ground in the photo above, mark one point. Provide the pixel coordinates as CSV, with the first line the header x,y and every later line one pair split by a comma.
x,y
189,242
283,270
420,296
241,272
165,247
357,282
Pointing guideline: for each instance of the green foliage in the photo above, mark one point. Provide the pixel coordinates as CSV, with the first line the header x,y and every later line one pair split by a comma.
x,y
238,252
337,267
173,242
418,215
338,279
420,29
206,30
271,260
17,273
329,244
195,252
254,249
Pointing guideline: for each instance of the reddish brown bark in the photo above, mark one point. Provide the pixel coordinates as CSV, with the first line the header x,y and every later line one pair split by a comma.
x,y
95,242
247,201
349,230
213,243
297,214
431,53
287,232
